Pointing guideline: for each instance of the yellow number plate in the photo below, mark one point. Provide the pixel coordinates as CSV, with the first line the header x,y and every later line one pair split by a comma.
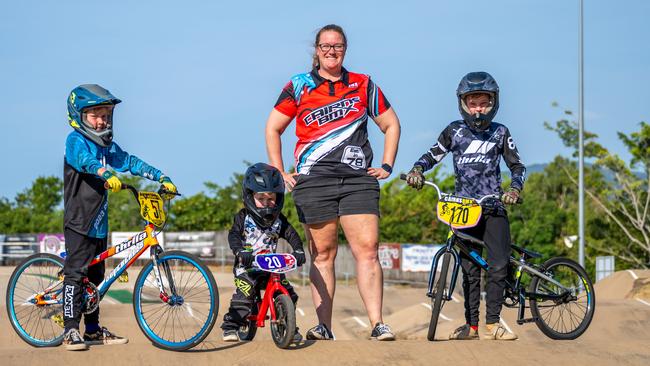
x,y
151,208
459,212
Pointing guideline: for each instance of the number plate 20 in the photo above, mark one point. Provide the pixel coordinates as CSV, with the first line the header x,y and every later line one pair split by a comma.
x,y
459,212
277,263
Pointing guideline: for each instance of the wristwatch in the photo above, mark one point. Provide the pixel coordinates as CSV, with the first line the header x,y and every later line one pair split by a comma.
x,y
387,168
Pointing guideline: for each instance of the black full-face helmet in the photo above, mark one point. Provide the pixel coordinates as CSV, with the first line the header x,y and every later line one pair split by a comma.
x,y
260,178
474,83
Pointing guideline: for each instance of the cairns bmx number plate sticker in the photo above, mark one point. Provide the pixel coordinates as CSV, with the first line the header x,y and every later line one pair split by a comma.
x,y
459,212
151,207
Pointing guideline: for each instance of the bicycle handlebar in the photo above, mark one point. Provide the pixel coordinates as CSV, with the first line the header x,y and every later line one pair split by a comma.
x,y
440,193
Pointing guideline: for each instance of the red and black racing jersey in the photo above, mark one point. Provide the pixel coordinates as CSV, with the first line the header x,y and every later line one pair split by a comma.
x,y
331,122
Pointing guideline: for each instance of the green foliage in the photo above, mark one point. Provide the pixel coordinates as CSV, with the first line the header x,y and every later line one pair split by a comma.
x,y
36,209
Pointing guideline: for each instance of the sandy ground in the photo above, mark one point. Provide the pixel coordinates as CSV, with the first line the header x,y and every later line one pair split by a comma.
x,y
618,335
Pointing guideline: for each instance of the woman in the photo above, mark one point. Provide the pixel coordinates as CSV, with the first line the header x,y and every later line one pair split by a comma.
x,y
334,182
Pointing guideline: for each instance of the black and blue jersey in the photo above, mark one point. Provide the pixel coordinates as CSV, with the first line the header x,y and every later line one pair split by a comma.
x,y
476,156
85,198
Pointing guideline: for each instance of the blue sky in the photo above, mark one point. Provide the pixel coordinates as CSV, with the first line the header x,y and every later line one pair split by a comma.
x,y
198,78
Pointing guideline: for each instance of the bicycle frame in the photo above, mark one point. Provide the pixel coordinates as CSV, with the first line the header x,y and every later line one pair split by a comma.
x,y
273,286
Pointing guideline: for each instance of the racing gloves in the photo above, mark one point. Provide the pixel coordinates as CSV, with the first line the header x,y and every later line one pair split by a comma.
x,y
415,178
114,183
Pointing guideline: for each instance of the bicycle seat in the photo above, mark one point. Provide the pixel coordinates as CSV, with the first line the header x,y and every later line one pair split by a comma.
x,y
529,253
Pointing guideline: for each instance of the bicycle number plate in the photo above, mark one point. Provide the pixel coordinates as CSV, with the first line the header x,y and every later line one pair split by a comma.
x,y
151,207
275,262
459,212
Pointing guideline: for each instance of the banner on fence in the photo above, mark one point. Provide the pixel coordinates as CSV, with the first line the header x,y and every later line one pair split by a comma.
x,y
418,257
51,243
20,245
389,256
118,237
199,243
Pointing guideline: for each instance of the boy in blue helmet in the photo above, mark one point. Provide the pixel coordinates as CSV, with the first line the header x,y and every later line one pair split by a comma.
x,y
89,150
477,145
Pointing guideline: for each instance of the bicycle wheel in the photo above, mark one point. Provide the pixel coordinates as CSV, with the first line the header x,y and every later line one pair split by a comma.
x,y
38,325
284,327
568,316
438,302
247,332
187,317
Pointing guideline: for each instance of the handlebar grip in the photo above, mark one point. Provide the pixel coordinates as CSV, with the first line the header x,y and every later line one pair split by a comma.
x,y
402,176
520,200
106,186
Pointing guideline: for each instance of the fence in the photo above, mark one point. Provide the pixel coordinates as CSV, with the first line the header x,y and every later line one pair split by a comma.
x,y
402,263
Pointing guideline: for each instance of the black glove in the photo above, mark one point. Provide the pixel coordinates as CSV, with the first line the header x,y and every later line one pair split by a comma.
x,y
245,257
300,257
415,178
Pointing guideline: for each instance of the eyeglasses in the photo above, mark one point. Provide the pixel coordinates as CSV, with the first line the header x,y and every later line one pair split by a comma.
x,y
325,47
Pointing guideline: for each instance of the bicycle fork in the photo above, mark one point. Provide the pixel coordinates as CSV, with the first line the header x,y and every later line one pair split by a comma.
x,y
174,299
454,274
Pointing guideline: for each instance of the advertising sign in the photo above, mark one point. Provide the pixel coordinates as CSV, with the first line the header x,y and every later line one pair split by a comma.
x,y
51,243
389,256
418,257
199,243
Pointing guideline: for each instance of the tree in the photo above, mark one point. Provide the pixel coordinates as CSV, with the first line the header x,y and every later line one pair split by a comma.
x,y
623,228
36,209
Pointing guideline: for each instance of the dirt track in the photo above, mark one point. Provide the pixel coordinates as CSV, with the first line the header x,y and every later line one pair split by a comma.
x,y
619,335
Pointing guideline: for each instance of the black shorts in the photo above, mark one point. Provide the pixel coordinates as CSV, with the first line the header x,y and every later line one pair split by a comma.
x,y
320,199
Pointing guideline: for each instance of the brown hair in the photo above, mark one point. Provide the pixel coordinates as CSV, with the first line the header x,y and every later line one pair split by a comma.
x,y
329,27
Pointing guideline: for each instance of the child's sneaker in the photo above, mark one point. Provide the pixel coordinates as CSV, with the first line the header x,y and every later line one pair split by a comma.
x,y
297,337
103,336
73,341
382,332
464,332
498,332
230,335
320,333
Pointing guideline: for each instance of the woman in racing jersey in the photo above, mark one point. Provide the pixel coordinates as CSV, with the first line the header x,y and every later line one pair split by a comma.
x,y
334,180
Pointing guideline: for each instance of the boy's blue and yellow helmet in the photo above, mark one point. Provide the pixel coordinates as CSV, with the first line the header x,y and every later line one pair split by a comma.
x,y
87,96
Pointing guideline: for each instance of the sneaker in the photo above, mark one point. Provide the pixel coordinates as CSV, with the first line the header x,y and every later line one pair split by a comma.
x,y
230,335
297,337
73,341
103,336
464,333
498,332
382,332
320,333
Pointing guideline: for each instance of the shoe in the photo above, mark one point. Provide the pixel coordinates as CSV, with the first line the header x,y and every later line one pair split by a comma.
x,y
73,341
230,335
463,333
498,332
297,337
104,336
382,332
320,333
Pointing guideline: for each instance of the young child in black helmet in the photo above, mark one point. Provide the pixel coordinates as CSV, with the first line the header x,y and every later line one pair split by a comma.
x,y
477,145
257,228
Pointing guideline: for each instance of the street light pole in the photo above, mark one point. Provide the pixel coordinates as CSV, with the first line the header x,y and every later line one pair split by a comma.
x,y
581,114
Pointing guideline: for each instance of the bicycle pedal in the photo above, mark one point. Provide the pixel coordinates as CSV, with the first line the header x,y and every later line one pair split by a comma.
x,y
124,277
58,320
527,320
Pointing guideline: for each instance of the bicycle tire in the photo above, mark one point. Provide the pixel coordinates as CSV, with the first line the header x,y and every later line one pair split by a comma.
x,y
146,293
284,328
18,293
438,302
541,318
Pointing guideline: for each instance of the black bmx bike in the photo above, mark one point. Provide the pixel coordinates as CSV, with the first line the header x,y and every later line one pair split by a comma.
x,y
560,294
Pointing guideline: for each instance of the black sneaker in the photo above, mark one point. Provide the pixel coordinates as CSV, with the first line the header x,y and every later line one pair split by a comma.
x,y
103,336
73,341
320,333
297,337
382,332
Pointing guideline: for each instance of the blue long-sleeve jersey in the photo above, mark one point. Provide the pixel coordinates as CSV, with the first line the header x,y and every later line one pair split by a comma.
x,y
85,198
